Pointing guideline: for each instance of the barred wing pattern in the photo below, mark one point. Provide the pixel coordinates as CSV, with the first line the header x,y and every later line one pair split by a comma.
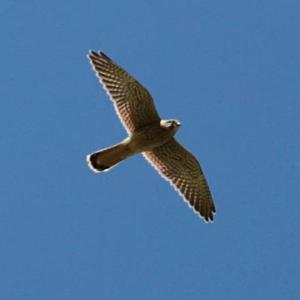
x,y
182,170
133,103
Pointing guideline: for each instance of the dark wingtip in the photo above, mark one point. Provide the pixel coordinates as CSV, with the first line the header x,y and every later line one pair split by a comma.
x,y
92,54
208,216
213,208
104,55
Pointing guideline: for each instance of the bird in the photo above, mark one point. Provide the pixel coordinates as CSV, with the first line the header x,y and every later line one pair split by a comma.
x,y
149,135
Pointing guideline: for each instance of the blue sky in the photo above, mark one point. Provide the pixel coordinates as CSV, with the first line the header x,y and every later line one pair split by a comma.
x,y
229,71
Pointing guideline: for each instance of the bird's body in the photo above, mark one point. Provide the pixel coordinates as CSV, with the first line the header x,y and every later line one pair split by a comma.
x,y
149,135
143,139
153,135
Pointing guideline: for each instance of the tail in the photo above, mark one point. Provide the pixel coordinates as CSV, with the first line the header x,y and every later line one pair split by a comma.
x,y
107,158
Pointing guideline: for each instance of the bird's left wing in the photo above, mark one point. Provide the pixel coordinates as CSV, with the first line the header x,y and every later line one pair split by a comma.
x,y
133,103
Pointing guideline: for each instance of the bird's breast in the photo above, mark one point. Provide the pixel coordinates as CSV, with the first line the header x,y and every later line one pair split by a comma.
x,y
149,137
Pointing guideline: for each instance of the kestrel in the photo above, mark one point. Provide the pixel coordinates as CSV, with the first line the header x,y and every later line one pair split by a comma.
x,y
149,135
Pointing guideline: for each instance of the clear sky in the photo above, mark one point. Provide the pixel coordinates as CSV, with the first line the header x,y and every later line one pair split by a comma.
x,y
229,71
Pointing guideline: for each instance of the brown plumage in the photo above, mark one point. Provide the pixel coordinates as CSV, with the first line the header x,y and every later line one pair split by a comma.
x,y
150,135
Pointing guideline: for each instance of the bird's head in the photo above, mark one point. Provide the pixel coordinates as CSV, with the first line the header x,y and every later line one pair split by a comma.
x,y
172,124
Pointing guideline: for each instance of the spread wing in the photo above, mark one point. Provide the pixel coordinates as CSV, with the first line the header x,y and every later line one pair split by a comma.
x,y
133,103
182,170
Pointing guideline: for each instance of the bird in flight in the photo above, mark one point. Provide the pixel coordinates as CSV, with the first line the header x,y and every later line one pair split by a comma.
x,y
150,135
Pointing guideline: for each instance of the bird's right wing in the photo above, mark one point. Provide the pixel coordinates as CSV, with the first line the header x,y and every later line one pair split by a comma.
x,y
133,103
182,170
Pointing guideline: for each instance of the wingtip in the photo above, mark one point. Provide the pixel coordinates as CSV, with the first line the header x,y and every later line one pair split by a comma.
x,y
207,215
93,53
102,54
207,219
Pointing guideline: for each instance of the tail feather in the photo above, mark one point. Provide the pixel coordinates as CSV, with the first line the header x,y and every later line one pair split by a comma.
x,y
105,159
